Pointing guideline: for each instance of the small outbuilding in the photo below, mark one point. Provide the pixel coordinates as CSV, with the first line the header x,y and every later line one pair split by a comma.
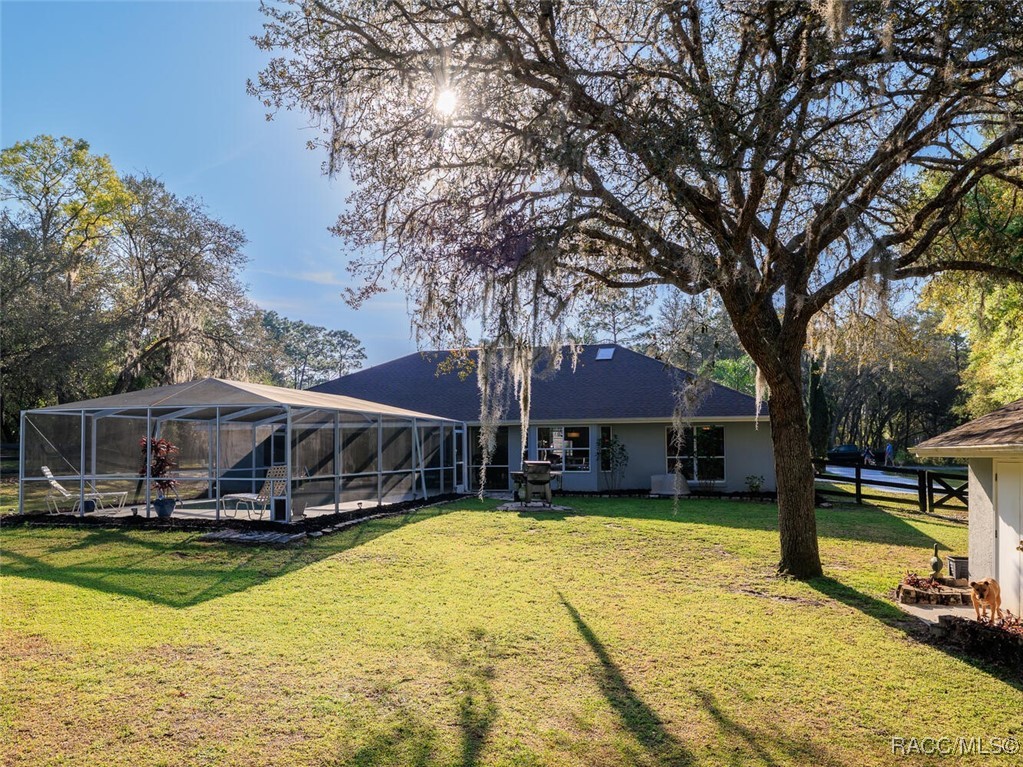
x,y
297,453
992,446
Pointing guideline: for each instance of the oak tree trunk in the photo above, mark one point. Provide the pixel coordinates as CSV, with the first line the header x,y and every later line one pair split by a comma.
x,y
776,346
793,465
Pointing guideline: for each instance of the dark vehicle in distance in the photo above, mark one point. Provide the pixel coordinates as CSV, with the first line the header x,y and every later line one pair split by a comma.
x,y
847,455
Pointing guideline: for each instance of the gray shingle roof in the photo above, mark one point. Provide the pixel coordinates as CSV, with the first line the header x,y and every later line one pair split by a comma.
x,y
998,431
627,386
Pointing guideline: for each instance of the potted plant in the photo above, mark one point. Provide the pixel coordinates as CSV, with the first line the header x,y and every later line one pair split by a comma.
x,y
159,456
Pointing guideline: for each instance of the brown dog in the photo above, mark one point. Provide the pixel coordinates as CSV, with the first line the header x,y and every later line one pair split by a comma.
x,y
985,594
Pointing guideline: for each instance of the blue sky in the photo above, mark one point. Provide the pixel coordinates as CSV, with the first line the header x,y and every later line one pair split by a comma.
x,y
160,88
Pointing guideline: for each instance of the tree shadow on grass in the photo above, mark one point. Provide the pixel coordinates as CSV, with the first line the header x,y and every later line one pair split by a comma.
x,y
544,516
477,711
176,573
744,745
402,737
635,715
865,524
749,746
890,615
477,707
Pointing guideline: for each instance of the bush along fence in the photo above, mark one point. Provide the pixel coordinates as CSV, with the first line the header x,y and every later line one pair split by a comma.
x,y
928,489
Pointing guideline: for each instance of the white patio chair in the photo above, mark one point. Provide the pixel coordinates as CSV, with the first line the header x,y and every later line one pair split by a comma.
x,y
60,493
273,487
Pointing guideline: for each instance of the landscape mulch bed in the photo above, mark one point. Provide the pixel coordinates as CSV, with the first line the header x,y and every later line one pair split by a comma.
x,y
738,495
140,522
996,644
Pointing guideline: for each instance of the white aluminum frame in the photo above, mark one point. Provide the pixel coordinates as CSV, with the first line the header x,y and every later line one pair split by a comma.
x,y
156,416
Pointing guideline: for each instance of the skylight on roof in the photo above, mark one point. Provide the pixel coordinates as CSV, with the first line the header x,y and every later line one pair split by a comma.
x,y
605,353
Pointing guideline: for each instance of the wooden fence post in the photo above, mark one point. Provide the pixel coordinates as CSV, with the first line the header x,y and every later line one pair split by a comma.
x,y
859,484
923,483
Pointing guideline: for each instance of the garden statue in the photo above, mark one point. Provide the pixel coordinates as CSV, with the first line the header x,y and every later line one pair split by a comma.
x,y
936,564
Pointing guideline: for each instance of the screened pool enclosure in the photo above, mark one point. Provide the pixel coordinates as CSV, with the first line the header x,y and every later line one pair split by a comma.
x,y
322,453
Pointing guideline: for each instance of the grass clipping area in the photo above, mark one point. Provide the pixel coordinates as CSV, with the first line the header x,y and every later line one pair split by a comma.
x,y
622,634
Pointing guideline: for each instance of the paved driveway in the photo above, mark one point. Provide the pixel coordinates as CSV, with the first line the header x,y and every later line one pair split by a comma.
x,y
877,474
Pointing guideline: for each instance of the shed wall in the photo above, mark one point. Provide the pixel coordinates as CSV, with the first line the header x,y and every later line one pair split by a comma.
x,y
983,520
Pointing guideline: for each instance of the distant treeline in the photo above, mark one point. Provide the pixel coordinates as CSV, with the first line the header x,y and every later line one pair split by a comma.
x,y
112,283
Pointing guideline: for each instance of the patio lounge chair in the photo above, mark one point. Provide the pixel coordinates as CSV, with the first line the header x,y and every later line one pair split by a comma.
x,y
538,482
273,487
60,493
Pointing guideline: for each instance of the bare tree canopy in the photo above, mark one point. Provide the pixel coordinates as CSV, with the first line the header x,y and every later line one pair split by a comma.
x,y
508,154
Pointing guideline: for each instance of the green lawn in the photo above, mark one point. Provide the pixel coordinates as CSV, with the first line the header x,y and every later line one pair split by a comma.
x,y
623,634
8,485
885,498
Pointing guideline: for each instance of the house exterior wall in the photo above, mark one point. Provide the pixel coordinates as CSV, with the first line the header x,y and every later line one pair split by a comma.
x,y
646,443
748,451
983,518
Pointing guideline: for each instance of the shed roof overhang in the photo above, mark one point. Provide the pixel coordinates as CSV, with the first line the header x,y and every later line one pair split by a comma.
x,y
969,451
997,434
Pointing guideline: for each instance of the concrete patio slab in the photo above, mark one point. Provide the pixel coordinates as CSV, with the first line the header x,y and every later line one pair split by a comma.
x,y
517,506
931,613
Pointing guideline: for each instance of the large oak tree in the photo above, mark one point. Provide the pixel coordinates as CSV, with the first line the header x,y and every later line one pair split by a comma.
x,y
508,154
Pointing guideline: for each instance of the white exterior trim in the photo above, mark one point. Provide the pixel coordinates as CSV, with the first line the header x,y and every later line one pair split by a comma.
x,y
966,451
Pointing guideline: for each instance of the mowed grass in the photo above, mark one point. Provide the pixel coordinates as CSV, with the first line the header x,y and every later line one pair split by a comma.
x,y
8,484
626,633
845,495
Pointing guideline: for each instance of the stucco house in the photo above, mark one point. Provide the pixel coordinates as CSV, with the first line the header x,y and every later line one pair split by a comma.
x,y
992,445
611,391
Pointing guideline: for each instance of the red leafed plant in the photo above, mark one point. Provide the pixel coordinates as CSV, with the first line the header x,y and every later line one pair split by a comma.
x,y
162,461
1011,623
918,582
